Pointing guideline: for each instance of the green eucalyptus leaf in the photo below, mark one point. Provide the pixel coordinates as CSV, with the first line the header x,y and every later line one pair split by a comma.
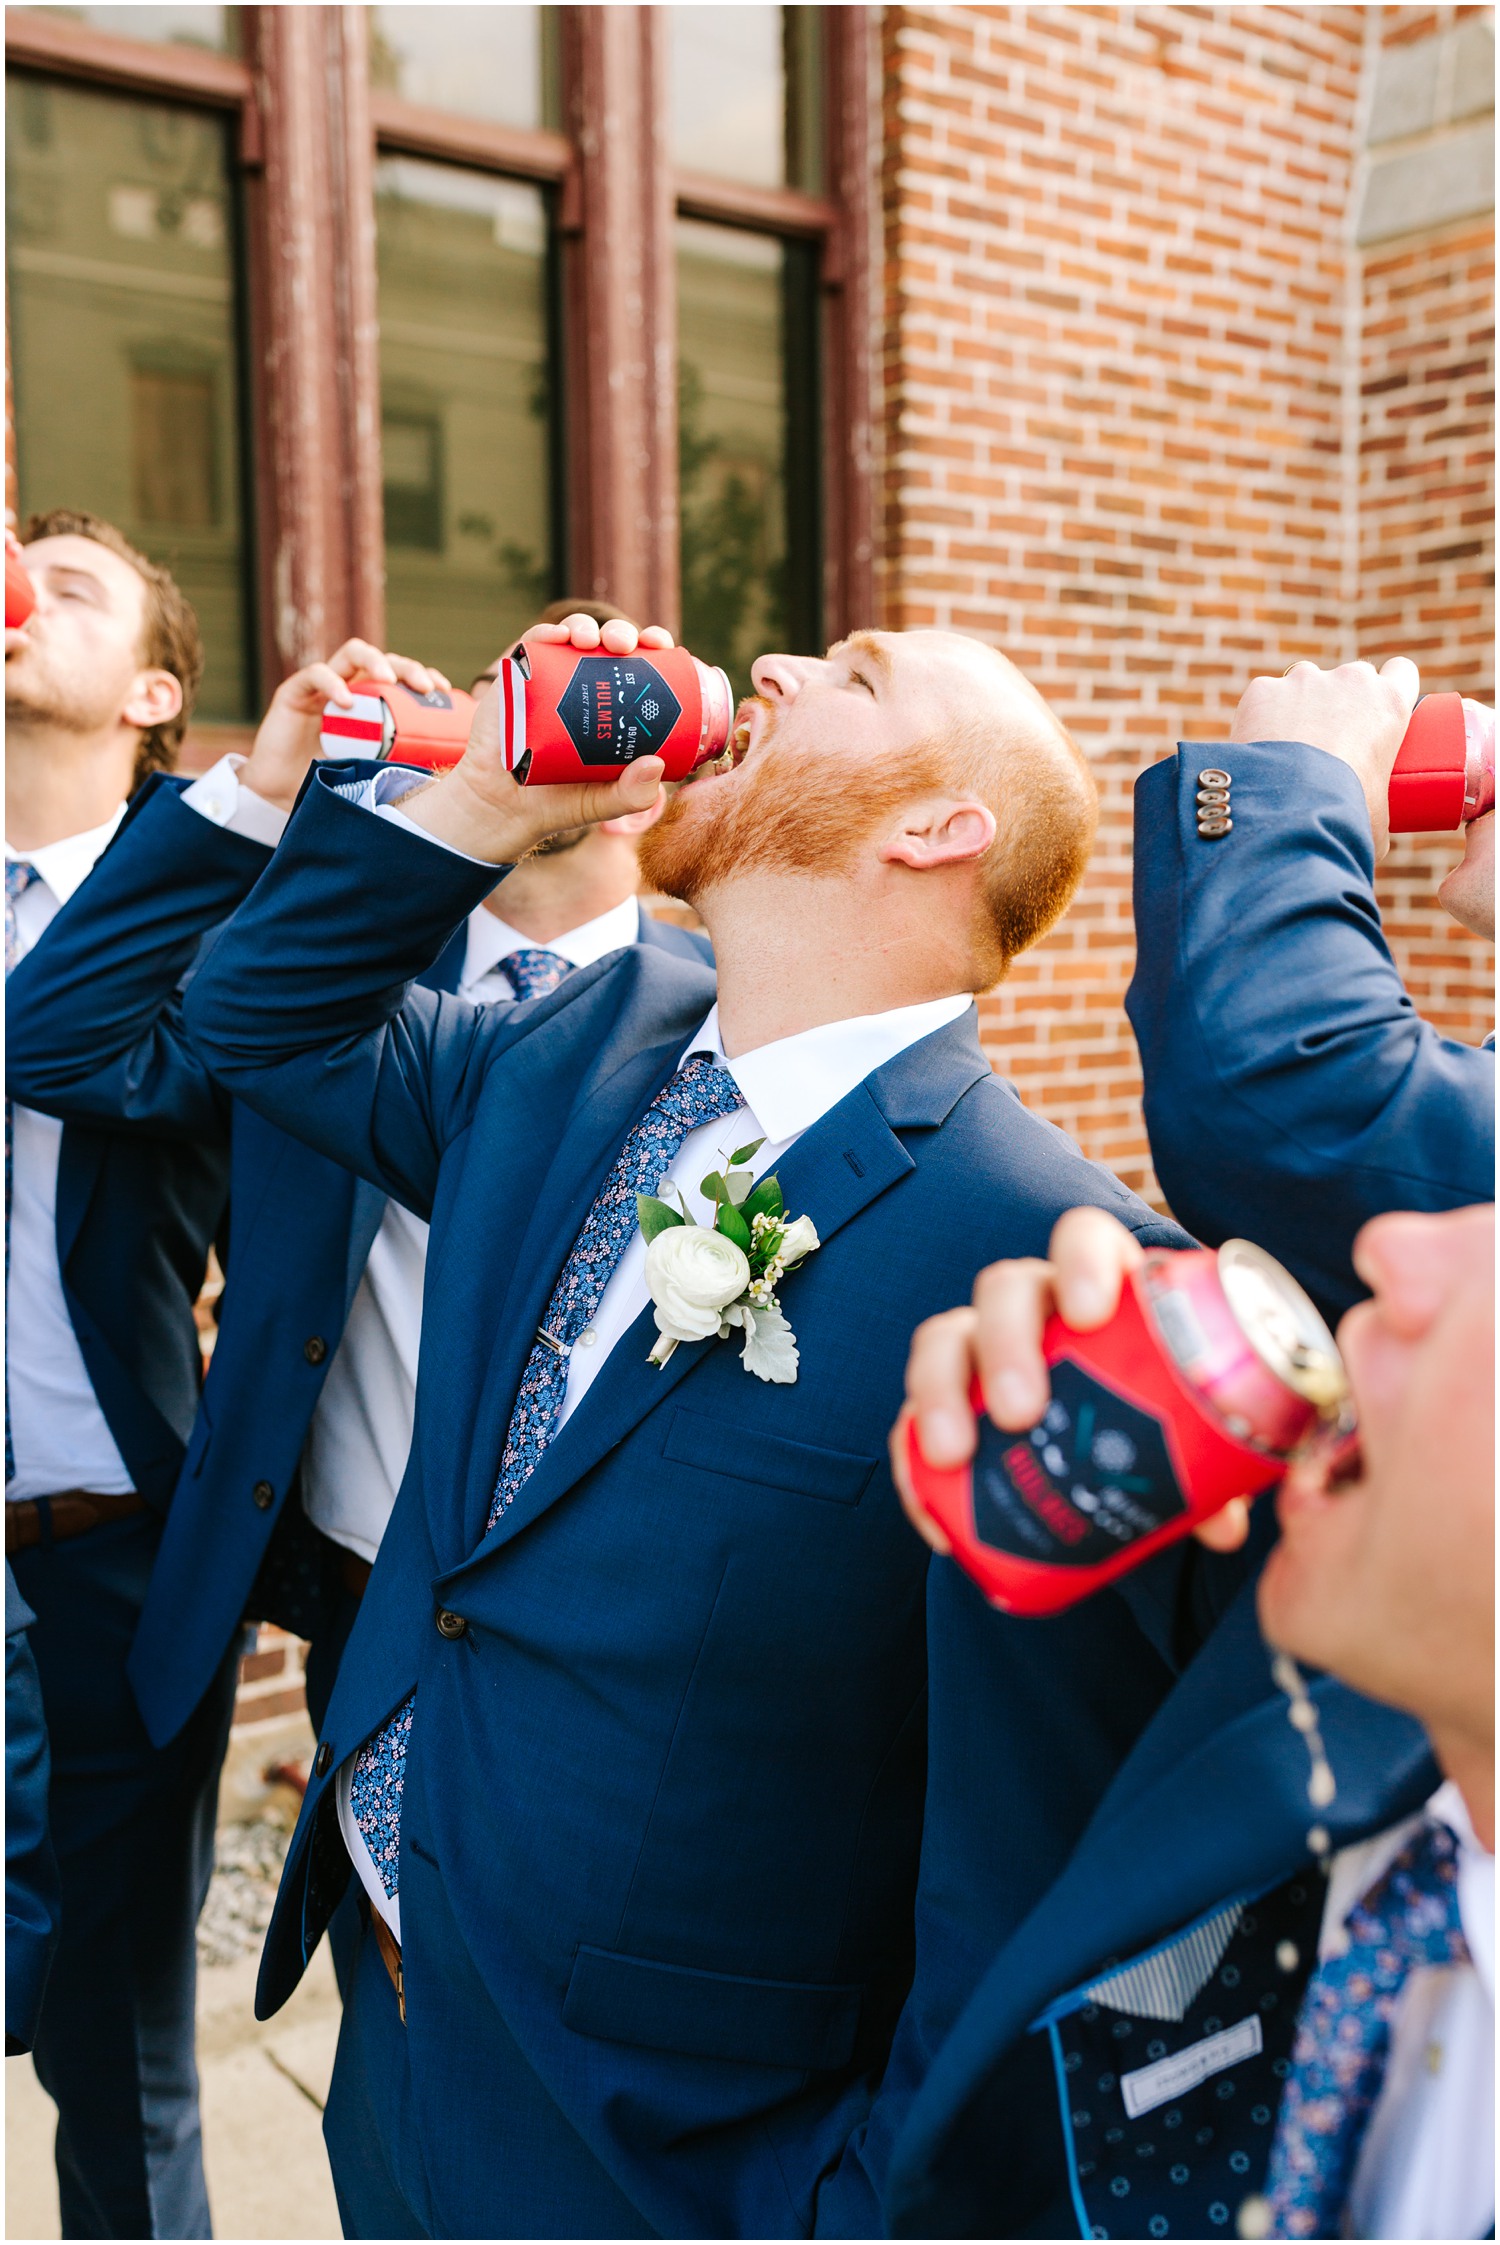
x,y
654,1215
746,1153
766,1200
732,1224
737,1187
714,1187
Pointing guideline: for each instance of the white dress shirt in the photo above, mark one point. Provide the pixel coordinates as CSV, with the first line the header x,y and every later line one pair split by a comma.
x,y
1426,2167
360,1433
786,1088
59,1435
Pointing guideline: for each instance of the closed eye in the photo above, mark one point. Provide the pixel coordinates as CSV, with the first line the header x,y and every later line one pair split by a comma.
x,y
858,678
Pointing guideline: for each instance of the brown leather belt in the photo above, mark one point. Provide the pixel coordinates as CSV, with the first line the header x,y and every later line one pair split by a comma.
x,y
34,1520
390,1957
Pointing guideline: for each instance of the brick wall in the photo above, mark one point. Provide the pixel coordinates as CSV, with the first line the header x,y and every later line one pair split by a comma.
x,y
1135,431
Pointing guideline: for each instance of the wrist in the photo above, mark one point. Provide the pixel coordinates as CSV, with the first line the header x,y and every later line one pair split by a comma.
x,y
468,820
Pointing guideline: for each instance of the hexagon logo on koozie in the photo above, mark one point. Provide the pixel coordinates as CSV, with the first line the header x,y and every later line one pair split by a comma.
x,y
616,708
1093,1478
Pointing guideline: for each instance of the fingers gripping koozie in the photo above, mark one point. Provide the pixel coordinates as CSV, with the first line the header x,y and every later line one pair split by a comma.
x,y
1213,1371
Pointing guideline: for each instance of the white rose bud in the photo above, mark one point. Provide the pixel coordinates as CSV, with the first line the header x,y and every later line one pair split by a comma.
x,y
797,1240
692,1274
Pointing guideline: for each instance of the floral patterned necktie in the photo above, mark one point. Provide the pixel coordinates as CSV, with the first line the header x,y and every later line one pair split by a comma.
x,y
19,876
533,973
700,1092
1409,1918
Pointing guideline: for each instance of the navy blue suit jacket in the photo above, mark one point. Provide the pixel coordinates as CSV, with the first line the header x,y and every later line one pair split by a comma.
x,y
104,1047
1291,1089
1210,1809
31,1888
673,1773
135,1218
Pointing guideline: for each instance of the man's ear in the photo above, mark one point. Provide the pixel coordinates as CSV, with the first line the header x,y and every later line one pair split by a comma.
x,y
939,833
636,822
155,699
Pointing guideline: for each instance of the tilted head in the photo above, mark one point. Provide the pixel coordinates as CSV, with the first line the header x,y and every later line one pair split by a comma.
x,y
111,644
918,770
1468,890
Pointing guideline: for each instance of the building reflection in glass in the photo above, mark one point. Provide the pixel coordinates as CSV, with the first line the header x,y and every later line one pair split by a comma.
x,y
123,340
466,410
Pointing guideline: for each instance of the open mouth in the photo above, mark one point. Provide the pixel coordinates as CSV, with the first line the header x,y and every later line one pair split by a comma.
x,y
734,752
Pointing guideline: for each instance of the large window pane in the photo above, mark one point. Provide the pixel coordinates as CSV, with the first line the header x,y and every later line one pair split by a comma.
x,y
123,345
495,62
748,453
466,410
747,94
217,28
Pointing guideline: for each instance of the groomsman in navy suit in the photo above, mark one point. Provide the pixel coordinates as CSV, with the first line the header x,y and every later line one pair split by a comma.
x,y
30,1862
653,1748
106,1239
1291,1089
1260,1999
305,1422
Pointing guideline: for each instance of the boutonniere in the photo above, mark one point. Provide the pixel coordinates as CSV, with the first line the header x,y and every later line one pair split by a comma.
x,y
707,1281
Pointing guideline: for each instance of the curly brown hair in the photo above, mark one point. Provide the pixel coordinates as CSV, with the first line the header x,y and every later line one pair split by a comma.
x,y
170,639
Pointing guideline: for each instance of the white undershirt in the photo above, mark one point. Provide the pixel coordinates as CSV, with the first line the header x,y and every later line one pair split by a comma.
x,y
1426,2167
787,1087
59,1435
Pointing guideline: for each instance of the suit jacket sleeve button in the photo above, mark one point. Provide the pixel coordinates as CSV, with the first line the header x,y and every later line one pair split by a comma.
x,y
316,1349
264,1495
450,1624
322,1759
1213,777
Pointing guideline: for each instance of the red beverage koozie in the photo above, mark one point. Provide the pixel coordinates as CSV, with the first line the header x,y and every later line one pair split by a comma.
x,y
567,715
395,724
1214,1370
1444,774
20,594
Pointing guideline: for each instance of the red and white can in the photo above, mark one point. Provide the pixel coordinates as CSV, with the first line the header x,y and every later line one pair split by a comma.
x,y
1214,1370
395,724
1444,774
568,716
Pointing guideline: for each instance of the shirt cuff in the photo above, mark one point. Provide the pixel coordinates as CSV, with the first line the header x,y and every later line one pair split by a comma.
x,y
220,797
383,795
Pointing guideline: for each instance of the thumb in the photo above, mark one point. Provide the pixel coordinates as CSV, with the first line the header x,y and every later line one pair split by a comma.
x,y
1402,673
636,789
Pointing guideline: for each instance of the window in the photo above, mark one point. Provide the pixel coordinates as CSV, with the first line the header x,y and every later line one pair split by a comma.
x,y
123,340
466,405
747,94
217,29
747,385
494,62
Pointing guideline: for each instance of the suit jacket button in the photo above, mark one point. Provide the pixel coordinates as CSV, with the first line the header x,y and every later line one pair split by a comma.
x,y
1212,828
1213,777
322,1759
316,1349
450,1624
264,1495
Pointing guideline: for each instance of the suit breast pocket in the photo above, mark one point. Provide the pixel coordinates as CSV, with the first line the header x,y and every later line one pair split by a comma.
x,y
770,1460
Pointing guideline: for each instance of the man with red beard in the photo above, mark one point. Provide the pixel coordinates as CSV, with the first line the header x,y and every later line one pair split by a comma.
x,y
669,1779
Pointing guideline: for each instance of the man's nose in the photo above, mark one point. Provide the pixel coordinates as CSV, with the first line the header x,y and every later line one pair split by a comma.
x,y
781,678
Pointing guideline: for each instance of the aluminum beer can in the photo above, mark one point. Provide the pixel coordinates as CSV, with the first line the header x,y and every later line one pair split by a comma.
x,y
1214,1370
20,595
1444,774
568,716
395,724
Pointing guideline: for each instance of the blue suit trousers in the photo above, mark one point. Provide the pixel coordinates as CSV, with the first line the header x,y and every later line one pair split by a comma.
x,y
133,1827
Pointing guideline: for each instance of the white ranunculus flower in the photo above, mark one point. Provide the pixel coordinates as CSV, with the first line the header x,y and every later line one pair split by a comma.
x,y
797,1240
692,1274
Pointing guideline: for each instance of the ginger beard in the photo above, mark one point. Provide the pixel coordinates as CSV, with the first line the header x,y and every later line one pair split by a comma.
x,y
781,811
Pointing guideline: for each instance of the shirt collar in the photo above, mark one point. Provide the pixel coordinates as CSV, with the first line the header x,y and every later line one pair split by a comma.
x,y
793,1083
492,939
66,865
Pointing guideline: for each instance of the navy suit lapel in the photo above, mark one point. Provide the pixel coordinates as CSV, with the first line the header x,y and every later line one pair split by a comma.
x,y
832,1174
1211,1805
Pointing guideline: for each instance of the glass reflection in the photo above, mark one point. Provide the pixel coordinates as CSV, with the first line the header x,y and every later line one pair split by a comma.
x,y
465,410
216,28
123,347
495,62
747,401
747,94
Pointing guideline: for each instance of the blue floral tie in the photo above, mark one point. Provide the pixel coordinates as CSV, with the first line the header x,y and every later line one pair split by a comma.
x,y
700,1092
533,973
19,876
1409,1918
